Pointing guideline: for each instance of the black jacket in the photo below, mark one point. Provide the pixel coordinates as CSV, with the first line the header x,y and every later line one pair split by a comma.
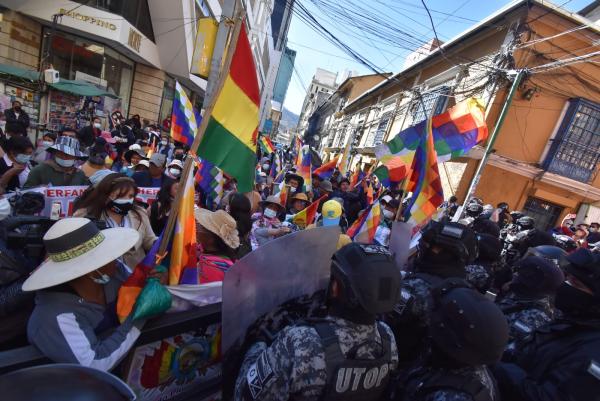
x,y
87,135
562,362
14,124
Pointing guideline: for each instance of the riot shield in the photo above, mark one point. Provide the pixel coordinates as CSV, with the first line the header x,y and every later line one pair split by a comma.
x,y
400,240
288,267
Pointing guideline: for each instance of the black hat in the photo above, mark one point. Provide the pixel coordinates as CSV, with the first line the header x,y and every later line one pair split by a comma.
x,y
526,222
485,226
490,247
536,277
585,266
369,277
467,326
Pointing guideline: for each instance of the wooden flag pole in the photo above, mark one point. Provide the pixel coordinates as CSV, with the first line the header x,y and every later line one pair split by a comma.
x,y
189,162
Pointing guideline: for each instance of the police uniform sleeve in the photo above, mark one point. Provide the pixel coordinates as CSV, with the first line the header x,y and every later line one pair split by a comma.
x,y
293,365
447,395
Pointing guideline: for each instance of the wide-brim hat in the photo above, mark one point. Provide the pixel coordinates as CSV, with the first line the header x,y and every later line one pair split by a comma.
x,y
138,151
219,223
69,146
77,247
301,196
325,185
272,200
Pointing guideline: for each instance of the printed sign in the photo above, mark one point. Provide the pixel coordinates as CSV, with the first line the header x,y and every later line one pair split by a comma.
x,y
59,200
172,367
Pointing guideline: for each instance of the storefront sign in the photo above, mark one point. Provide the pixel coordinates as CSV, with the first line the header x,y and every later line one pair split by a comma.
x,y
87,18
135,39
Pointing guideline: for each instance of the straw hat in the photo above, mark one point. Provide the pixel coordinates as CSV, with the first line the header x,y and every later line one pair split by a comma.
x,y
272,200
77,247
300,196
219,223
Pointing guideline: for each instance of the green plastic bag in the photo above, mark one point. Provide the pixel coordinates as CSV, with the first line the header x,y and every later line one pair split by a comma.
x,y
154,300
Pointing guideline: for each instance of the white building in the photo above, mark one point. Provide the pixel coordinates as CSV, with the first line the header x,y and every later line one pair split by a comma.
x,y
321,87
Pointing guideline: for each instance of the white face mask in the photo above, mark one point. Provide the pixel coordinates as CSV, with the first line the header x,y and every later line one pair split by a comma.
x,y
388,214
270,213
266,166
47,144
97,125
164,142
22,158
175,172
103,279
64,162
292,189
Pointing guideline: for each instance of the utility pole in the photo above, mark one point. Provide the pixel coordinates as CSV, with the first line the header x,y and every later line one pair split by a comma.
x,y
490,146
225,27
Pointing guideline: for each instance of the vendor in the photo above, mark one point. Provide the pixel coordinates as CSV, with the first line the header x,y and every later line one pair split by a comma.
x,y
267,225
218,240
77,291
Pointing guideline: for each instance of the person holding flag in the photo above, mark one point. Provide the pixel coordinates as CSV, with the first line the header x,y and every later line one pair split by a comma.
x,y
267,225
299,202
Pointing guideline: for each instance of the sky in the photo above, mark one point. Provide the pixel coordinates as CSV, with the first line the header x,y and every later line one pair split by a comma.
x,y
313,51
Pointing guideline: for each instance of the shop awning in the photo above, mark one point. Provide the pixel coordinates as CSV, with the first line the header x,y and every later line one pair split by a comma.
x,y
29,75
81,88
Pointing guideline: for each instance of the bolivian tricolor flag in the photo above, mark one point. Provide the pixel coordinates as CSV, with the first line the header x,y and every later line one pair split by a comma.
x,y
266,145
230,138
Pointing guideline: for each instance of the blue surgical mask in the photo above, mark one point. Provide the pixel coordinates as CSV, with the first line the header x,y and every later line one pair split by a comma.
x,y
22,158
63,162
270,213
103,279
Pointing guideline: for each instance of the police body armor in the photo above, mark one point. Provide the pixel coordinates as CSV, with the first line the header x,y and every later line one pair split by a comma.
x,y
423,381
349,378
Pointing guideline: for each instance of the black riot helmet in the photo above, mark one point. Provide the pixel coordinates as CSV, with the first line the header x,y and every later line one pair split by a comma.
x,y
503,206
585,266
454,238
549,252
474,209
526,223
516,215
368,276
466,326
489,247
60,382
536,277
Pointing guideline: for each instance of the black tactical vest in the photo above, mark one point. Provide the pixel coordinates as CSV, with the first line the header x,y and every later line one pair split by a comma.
x,y
349,378
422,382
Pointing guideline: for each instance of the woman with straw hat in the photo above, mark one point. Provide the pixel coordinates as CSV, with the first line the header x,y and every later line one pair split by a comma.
x,y
77,291
267,225
218,239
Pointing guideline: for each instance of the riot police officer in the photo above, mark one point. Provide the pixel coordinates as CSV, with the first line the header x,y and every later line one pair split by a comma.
x,y
482,271
562,359
467,333
527,305
443,252
346,356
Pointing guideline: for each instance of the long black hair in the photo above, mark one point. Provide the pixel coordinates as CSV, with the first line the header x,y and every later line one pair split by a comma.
x,y
164,197
240,209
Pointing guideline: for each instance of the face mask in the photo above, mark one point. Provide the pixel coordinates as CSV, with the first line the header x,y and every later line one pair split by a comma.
x,y
593,229
47,144
63,162
388,214
270,213
164,142
22,158
147,129
121,206
175,172
292,189
573,301
102,280
266,166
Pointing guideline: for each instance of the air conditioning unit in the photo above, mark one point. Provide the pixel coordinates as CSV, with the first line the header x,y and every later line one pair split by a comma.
x,y
51,76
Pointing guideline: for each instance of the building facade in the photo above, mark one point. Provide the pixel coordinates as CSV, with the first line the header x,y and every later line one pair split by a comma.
x,y
284,75
545,158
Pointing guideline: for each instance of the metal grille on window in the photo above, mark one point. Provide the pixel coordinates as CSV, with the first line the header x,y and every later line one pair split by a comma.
x,y
382,128
435,102
544,213
576,150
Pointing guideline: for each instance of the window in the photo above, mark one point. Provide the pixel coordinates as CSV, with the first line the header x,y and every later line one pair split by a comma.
x,y
575,151
544,213
382,128
435,102
136,12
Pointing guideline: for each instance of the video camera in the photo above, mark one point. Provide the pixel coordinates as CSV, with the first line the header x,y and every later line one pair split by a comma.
x,y
24,234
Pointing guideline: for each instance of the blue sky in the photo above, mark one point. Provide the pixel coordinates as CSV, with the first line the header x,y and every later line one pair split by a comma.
x,y
450,18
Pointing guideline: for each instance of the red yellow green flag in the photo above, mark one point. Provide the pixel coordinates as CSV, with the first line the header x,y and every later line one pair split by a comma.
x,y
230,138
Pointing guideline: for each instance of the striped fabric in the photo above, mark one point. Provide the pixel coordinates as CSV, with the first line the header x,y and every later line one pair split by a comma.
x,y
230,138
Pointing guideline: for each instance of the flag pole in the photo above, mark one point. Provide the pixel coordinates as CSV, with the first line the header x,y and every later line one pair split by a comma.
x,y
189,162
